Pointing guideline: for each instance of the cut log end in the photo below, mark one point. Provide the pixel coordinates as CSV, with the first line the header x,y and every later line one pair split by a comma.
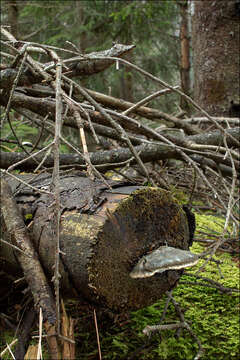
x,y
112,241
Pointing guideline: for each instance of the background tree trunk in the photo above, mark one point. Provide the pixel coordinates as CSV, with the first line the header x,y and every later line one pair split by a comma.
x,y
13,17
127,74
216,55
185,53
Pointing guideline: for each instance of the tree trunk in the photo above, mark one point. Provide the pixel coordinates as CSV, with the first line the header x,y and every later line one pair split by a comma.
x,y
127,74
185,54
216,55
103,235
13,17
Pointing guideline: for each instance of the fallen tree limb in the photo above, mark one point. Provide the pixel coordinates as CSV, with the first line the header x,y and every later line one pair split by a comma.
x,y
110,159
32,269
82,65
220,119
146,112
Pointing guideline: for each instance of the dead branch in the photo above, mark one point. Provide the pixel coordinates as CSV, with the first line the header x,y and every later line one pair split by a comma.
x,y
206,282
77,66
182,324
110,159
32,268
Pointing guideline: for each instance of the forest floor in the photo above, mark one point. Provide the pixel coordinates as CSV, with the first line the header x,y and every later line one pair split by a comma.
x,y
212,314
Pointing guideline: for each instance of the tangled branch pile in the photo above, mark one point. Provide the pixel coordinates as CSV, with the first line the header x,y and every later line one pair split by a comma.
x,y
118,127
48,95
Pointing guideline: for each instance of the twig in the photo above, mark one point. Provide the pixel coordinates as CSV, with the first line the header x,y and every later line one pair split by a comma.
x,y
11,353
10,345
180,325
32,268
11,93
166,306
31,156
84,143
97,334
39,353
15,247
56,188
147,99
180,314
86,114
149,329
82,156
212,250
205,119
211,283
40,133
46,155
25,183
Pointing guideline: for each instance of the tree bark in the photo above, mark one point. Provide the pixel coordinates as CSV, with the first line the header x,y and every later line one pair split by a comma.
x,y
216,55
185,53
103,234
27,257
13,17
126,90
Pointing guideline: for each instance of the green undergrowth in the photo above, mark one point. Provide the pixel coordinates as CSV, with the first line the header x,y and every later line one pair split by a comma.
x,y
212,315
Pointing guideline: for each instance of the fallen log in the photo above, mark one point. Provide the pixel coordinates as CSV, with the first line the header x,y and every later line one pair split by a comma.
x,y
104,233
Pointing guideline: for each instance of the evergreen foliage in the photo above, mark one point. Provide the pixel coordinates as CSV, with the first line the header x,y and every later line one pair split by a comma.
x,y
94,25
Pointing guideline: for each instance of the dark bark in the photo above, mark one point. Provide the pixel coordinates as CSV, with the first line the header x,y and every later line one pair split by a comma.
x,y
28,259
111,159
13,225
43,106
102,160
185,53
216,137
103,234
23,332
216,55
13,16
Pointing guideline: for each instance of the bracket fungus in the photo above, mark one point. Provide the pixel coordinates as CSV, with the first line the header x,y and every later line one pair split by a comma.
x,y
162,259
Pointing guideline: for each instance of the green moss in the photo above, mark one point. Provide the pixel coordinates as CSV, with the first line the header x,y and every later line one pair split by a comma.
x,y
213,316
211,225
146,197
28,217
179,195
6,337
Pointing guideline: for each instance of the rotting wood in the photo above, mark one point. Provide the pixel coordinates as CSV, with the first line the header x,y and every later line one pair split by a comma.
x,y
103,234
30,264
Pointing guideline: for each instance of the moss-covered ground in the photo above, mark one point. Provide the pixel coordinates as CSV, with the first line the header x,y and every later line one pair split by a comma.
x,y
213,316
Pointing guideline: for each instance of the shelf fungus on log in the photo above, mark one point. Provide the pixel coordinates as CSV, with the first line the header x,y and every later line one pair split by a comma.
x,y
103,235
163,259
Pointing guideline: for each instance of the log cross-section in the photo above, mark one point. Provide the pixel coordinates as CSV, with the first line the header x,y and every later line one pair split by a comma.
x,y
103,235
